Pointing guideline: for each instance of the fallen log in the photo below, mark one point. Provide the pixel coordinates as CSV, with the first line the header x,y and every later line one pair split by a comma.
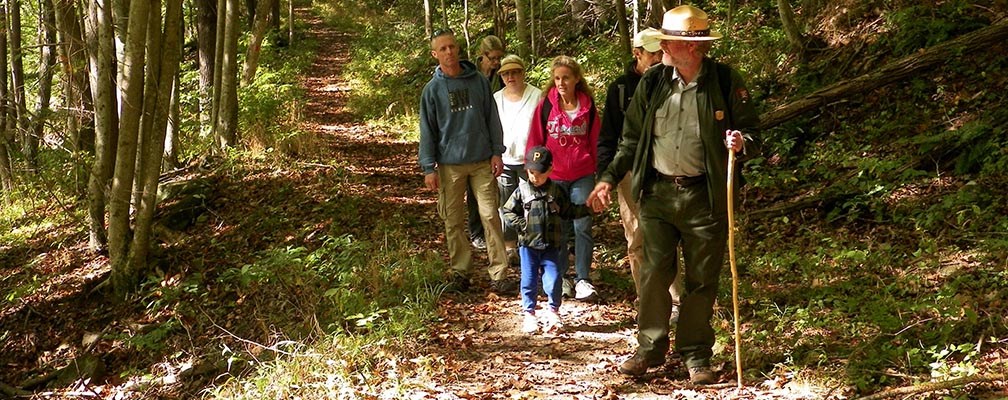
x,y
973,43
933,386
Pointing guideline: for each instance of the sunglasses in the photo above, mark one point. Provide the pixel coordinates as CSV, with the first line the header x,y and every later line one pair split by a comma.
x,y
442,32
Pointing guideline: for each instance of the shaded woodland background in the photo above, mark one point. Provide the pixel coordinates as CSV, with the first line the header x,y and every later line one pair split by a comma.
x,y
212,198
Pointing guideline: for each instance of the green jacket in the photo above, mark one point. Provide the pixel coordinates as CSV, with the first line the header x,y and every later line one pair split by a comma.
x,y
635,151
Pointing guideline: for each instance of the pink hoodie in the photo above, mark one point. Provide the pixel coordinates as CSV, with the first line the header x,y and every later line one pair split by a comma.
x,y
575,151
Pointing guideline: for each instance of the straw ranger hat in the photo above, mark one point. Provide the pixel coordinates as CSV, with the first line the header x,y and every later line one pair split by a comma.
x,y
686,23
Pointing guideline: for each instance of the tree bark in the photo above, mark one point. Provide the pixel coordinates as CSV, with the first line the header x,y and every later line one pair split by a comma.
x,y
262,24
655,11
227,119
621,26
912,65
206,38
428,24
522,29
791,31
164,58
172,140
6,168
47,60
215,97
122,277
99,38
29,143
73,58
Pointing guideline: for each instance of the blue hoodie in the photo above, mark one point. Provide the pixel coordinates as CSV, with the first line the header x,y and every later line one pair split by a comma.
x,y
459,123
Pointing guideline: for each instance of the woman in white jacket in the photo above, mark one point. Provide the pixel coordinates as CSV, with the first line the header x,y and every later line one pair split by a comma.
x,y
516,104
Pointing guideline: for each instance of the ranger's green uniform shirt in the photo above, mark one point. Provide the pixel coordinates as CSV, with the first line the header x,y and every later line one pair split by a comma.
x,y
636,151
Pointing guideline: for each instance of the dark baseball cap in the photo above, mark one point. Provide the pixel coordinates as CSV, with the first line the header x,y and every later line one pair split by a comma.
x,y
538,159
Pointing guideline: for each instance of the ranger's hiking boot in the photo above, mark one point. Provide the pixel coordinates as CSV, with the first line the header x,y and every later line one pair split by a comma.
x,y
701,375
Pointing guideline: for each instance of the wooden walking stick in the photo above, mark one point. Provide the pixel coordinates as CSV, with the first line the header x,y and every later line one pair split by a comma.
x,y
731,260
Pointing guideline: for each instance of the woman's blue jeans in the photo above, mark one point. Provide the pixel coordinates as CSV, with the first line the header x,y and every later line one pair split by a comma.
x,y
583,241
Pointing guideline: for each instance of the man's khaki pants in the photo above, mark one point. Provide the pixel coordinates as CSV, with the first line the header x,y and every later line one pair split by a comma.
x,y
451,207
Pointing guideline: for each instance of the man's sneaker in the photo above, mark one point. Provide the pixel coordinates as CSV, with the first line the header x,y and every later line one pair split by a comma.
x,y
530,324
639,364
674,315
459,283
503,287
583,290
551,321
479,243
568,287
701,375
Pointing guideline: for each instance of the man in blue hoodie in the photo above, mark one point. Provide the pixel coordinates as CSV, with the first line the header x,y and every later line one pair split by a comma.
x,y
461,142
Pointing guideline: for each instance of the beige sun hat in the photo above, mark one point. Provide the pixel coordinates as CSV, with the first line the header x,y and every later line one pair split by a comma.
x,y
649,39
511,62
686,23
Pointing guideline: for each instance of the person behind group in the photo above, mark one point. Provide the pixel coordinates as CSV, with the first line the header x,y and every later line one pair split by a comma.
x,y
676,137
646,53
516,103
570,131
491,53
461,143
536,210
491,50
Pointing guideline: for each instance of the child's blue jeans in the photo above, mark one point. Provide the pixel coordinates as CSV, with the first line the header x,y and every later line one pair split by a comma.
x,y
541,265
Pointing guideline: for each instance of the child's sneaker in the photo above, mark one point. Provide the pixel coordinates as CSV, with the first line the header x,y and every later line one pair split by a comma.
x,y
530,324
584,290
552,322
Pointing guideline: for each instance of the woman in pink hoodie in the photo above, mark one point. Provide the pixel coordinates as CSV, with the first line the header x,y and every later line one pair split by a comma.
x,y
568,125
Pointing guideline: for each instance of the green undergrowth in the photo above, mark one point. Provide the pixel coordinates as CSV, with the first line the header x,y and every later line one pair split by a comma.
x,y
367,303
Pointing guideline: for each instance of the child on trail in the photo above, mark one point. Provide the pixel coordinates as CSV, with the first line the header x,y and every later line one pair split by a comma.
x,y
536,211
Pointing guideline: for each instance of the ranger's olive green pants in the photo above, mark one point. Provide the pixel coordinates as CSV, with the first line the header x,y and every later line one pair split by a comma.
x,y
671,215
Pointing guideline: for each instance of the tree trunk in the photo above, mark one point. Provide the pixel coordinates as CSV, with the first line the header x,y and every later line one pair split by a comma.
x,y
655,12
123,278
6,168
250,5
173,131
227,118
206,38
791,31
164,58
172,140
428,24
522,29
912,65
73,58
577,11
215,97
290,22
47,60
465,26
621,26
29,142
262,24
275,15
99,38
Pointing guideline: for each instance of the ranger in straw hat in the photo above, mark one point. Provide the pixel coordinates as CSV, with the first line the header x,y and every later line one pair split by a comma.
x,y
686,115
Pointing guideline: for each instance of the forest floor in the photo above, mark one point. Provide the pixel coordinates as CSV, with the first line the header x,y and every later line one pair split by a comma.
x,y
52,325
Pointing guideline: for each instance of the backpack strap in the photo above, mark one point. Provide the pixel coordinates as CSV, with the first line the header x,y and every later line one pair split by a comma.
x,y
622,97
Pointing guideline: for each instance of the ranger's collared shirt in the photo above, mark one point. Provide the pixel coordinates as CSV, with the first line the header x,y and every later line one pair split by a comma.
x,y
678,150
